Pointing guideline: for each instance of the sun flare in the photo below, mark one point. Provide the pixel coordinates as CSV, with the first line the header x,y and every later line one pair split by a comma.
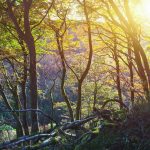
x,y
142,10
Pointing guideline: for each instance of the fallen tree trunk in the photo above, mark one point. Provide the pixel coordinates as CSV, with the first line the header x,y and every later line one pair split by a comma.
x,y
61,129
57,130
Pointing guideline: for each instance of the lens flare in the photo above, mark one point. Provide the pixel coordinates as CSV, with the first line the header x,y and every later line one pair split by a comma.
x,y
142,10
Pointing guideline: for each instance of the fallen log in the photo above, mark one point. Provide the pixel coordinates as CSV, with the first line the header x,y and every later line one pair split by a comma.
x,y
12,144
72,126
58,129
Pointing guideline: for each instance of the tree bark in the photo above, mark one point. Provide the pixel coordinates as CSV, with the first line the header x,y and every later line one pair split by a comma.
x,y
130,62
26,35
141,70
61,53
83,76
95,94
118,83
23,87
28,38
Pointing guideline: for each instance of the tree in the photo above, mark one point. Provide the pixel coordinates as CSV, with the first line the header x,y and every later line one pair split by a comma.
x,y
128,26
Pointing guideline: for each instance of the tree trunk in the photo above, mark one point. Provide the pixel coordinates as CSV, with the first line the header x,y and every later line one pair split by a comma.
x,y
130,62
95,94
33,84
141,70
26,36
25,123
29,40
83,76
118,78
78,108
23,88
61,53
118,83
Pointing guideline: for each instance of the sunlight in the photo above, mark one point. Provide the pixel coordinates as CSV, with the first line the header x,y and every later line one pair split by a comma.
x,y
142,10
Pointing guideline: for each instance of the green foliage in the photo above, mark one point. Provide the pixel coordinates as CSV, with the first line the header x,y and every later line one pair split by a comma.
x,y
129,134
5,127
102,142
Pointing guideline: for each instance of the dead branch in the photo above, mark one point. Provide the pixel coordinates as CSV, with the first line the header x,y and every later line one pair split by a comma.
x,y
73,126
114,100
13,143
